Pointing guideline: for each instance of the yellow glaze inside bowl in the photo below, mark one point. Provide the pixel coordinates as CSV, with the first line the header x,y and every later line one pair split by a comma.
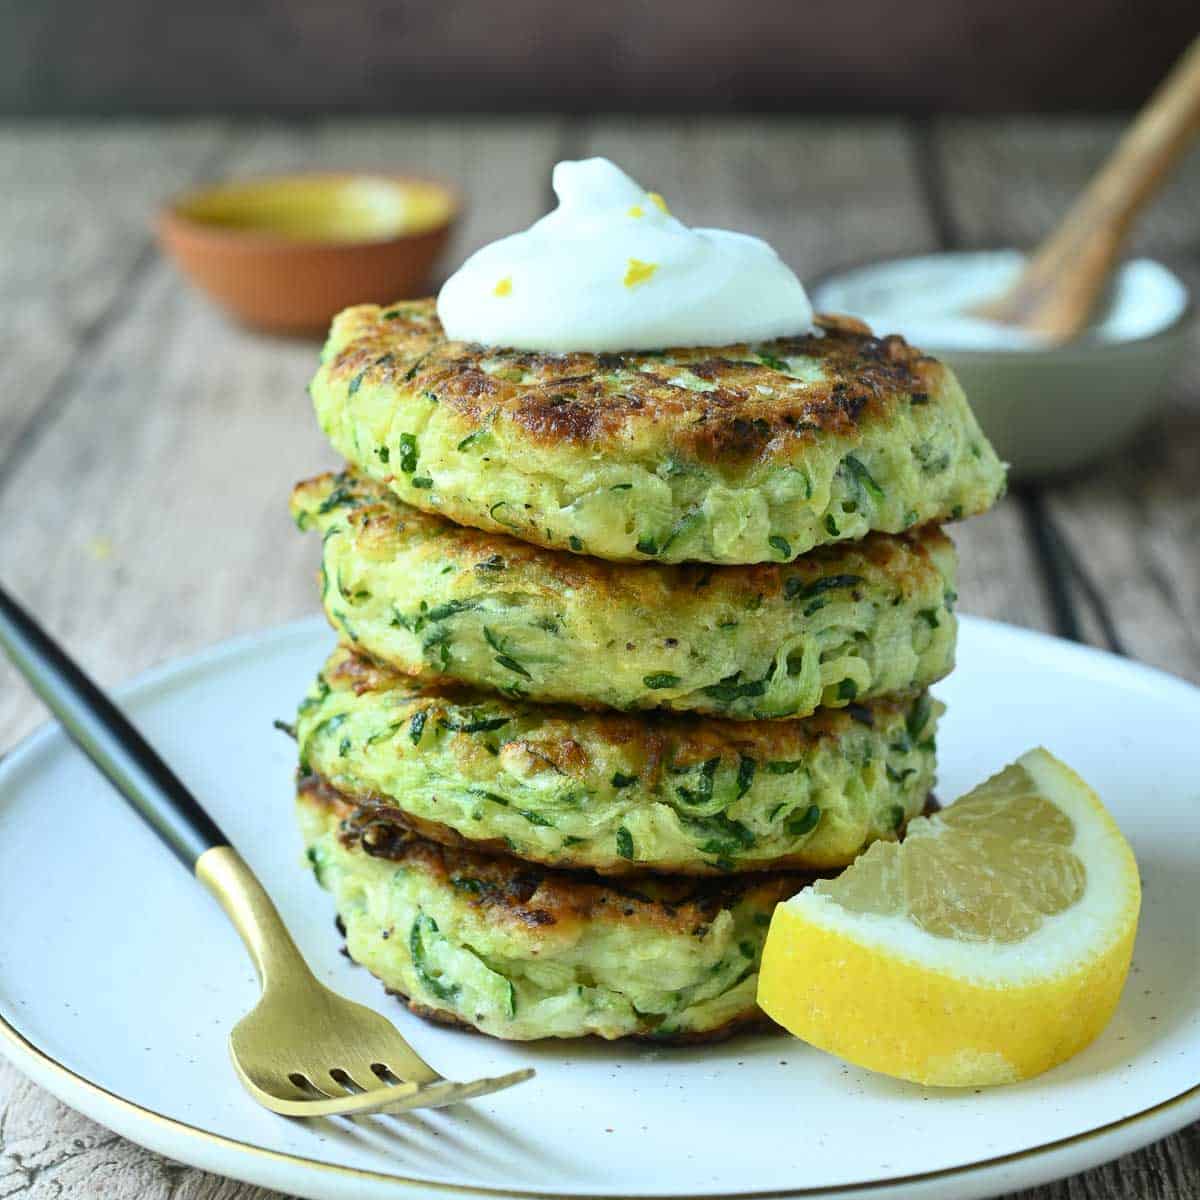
x,y
322,208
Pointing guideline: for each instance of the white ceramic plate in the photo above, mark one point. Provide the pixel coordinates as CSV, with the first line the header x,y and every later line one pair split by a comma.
x,y
119,977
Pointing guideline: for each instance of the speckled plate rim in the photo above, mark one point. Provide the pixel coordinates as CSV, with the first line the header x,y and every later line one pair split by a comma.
x,y
318,1180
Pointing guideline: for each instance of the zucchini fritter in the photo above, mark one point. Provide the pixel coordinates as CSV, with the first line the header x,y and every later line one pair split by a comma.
x,y
441,602
520,952
617,793
736,454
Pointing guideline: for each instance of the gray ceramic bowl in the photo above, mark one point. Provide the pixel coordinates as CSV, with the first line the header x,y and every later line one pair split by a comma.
x,y
1047,410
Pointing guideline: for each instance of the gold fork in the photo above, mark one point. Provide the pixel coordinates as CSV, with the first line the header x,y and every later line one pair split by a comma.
x,y
303,1050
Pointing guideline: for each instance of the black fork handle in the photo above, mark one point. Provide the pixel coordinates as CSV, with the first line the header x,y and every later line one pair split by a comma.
x,y
97,727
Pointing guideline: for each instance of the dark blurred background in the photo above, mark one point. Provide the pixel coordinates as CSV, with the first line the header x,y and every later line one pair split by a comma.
x,y
97,57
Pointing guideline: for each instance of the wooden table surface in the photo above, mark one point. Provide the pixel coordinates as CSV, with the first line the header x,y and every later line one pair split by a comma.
x,y
147,445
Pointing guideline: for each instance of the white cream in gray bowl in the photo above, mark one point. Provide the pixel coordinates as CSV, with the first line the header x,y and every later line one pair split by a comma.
x,y
1046,408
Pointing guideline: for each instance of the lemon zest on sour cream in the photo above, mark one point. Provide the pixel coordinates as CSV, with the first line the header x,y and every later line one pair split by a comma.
x,y
639,272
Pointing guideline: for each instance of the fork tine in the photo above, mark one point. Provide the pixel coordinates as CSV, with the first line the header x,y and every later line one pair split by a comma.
x,y
361,1071
388,1099
317,1091
447,1092
405,1063
297,1015
304,1090
349,1081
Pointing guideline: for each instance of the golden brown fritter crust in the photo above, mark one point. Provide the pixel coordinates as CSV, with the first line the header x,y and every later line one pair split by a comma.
x,y
732,454
615,793
381,522
566,397
434,600
692,739
521,952
527,895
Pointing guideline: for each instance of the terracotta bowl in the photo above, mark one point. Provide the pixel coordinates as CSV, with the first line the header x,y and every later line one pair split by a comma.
x,y
286,253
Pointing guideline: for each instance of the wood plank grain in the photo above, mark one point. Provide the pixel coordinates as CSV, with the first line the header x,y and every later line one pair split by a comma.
x,y
1009,181
997,575
75,235
1166,1170
1132,522
824,193
151,519
48,1150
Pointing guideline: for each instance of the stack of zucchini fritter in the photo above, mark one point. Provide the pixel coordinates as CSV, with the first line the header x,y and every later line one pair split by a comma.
x,y
631,645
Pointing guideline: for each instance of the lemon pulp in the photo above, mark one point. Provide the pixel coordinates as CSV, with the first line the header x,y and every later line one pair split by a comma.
x,y
989,946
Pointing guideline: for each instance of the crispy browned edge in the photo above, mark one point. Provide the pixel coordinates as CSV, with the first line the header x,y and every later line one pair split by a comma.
x,y
694,736
532,895
534,898
379,518
521,889
568,401
382,810
693,739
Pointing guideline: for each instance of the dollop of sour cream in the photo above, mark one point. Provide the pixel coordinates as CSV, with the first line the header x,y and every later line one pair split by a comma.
x,y
610,269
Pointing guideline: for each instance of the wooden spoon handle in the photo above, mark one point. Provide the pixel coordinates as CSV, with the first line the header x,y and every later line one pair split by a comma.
x,y
1058,289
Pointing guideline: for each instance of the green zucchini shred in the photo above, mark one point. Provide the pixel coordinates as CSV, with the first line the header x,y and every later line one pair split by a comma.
x,y
417,726
805,823
863,478
625,843
416,944
663,679
747,766
407,445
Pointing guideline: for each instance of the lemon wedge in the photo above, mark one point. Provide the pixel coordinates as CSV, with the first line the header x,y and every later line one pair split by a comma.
x,y
989,946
